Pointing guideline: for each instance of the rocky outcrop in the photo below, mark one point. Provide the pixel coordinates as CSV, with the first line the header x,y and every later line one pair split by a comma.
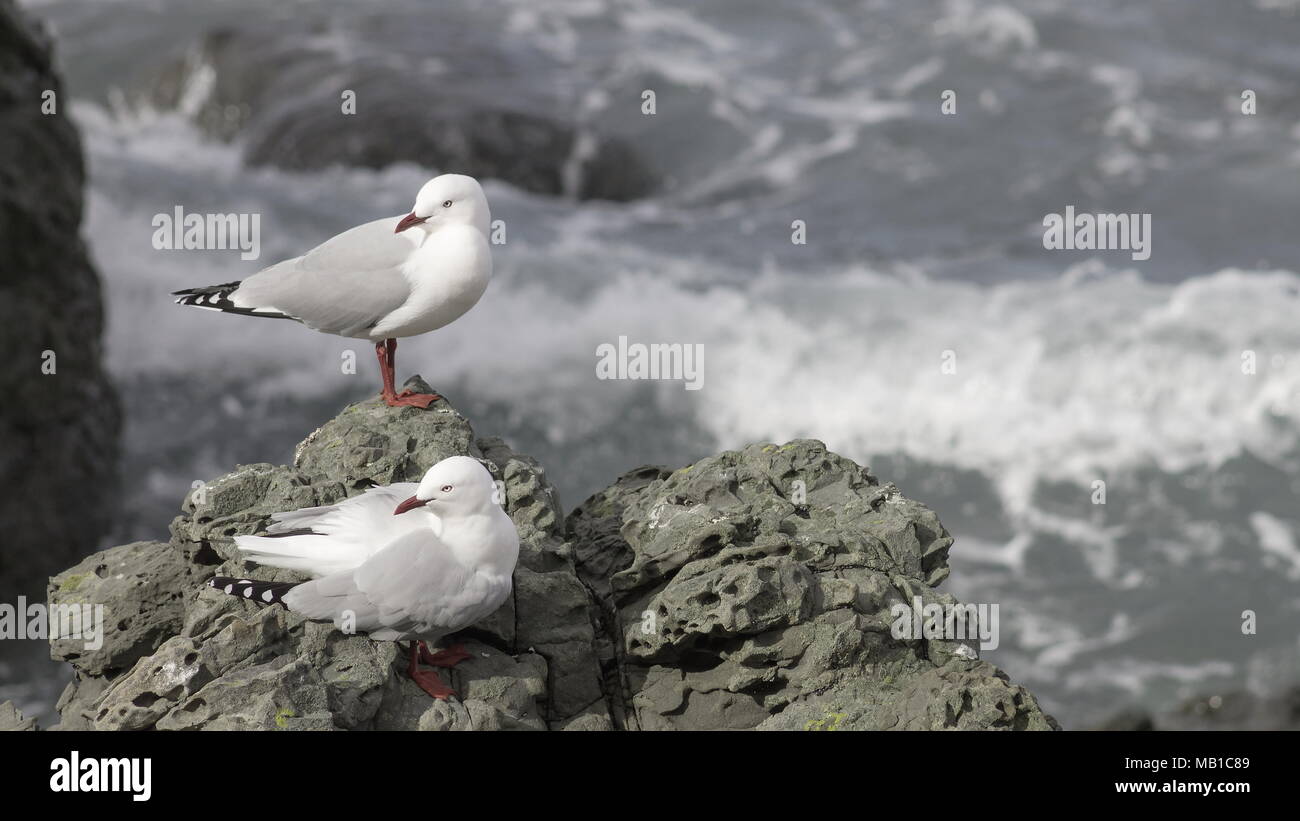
x,y
184,656
59,420
755,589
285,102
765,577
12,720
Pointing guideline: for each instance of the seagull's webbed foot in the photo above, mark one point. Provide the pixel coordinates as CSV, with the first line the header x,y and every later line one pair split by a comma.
x,y
443,658
430,683
428,680
386,353
409,399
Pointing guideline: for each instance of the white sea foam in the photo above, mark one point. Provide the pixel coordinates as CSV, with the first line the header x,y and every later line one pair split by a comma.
x,y
1278,541
1061,381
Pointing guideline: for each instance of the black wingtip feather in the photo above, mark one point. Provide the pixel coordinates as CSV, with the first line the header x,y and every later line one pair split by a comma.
x,y
217,298
263,593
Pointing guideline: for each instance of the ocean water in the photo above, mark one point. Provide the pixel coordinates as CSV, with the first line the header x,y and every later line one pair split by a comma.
x,y
923,248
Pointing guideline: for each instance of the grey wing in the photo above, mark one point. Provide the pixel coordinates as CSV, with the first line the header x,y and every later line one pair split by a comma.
x,y
413,587
344,286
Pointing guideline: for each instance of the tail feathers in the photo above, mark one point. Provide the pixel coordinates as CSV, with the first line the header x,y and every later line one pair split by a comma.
x,y
217,298
263,593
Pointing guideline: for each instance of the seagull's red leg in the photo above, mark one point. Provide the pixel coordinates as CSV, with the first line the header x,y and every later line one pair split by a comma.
x,y
428,680
385,368
386,353
444,658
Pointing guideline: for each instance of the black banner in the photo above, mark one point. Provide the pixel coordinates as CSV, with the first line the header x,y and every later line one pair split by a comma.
x,y
175,770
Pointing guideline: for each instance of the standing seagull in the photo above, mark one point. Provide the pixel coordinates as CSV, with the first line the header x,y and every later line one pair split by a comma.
x,y
387,279
406,561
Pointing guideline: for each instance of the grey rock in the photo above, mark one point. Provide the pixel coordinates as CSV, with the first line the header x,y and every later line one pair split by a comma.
x,y
59,429
156,685
285,693
754,589
589,723
498,692
77,703
12,720
599,549
141,588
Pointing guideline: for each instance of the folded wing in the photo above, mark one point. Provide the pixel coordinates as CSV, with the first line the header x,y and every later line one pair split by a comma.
x,y
341,536
344,286
412,587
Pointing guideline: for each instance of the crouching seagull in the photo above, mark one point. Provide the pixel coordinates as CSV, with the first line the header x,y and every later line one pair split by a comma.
x,y
409,561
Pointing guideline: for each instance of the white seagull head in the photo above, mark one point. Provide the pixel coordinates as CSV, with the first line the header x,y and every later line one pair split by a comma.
x,y
458,484
449,199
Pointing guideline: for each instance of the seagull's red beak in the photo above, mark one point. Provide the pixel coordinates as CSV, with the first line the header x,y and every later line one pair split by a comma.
x,y
410,504
407,221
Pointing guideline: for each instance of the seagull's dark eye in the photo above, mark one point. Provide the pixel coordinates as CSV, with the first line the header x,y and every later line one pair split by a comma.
x,y
446,488
446,203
